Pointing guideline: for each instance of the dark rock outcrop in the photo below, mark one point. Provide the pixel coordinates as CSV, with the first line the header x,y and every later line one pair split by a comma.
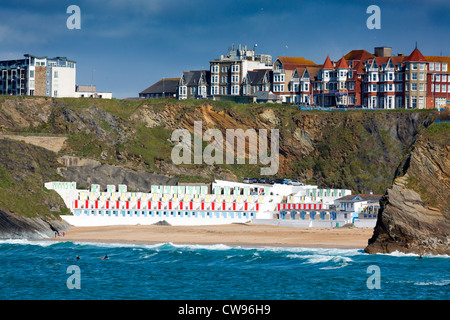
x,y
14,226
415,211
104,174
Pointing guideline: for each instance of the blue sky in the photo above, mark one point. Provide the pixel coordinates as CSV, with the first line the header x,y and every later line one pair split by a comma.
x,y
130,44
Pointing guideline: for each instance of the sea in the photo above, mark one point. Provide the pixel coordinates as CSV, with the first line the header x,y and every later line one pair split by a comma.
x,y
48,270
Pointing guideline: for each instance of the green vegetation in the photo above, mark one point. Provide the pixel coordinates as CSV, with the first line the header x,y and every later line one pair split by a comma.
x,y
358,150
23,171
438,133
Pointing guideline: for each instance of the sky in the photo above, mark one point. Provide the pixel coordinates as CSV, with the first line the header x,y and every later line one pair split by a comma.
x,y
124,46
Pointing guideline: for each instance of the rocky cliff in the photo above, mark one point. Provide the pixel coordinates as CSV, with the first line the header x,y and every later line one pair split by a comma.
x,y
415,210
117,141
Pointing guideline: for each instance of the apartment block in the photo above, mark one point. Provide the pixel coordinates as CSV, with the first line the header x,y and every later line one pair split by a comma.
x,y
42,76
229,71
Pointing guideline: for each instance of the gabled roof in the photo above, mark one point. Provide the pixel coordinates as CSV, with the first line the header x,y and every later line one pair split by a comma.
x,y
163,85
192,78
327,64
416,56
257,76
290,63
313,71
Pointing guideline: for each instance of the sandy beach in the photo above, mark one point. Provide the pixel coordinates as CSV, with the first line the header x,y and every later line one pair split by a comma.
x,y
233,235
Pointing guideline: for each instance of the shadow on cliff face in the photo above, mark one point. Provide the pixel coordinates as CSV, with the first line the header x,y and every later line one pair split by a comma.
x,y
415,211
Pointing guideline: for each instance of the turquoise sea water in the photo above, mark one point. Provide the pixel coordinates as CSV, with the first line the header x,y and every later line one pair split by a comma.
x,y
44,270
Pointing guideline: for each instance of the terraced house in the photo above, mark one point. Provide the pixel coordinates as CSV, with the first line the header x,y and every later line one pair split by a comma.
x,y
359,78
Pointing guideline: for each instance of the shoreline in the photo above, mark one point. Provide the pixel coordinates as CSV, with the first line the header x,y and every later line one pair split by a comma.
x,y
243,235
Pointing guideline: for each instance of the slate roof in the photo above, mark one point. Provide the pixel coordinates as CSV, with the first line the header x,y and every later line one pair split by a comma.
x,y
365,197
163,85
192,78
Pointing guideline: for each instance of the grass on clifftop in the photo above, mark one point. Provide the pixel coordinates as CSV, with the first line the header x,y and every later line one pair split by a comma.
x,y
438,133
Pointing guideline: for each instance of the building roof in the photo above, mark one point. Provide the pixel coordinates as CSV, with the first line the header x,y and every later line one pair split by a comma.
x,y
327,64
265,95
360,55
257,76
358,197
290,63
164,85
342,64
416,56
192,78
437,59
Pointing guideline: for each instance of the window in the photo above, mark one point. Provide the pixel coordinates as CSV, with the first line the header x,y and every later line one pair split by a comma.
x,y
414,76
182,90
438,77
444,88
374,88
234,89
414,66
407,76
431,66
224,69
278,87
215,79
391,76
55,75
215,68
31,73
444,67
422,87
399,76
234,78
278,78
444,78
391,88
215,90
225,79
399,87
421,76
422,66
438,66
406,87
413,86
414,102
235,68
438,88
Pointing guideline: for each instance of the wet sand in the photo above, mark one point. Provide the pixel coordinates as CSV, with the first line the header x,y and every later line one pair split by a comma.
x,y
233,235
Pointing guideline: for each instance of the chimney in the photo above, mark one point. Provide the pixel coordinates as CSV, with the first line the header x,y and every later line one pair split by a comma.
x,y
383,51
